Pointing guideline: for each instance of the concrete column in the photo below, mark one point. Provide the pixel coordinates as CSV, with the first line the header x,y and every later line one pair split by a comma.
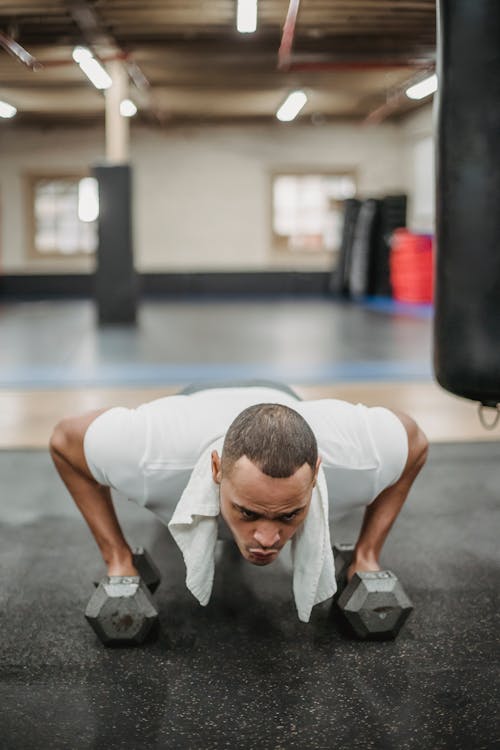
x,y
117,127
115,277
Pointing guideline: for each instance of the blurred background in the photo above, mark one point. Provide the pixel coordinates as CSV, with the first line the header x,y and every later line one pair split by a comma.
x,y
198,190
220,183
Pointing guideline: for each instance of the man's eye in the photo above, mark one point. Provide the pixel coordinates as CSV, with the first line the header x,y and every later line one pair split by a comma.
x,y
248,514
289,516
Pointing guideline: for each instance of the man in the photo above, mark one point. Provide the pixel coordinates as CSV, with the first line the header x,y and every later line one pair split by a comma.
x,y
273,467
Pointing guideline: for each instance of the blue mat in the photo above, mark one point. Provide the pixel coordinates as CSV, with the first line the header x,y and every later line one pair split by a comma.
x,y
151,374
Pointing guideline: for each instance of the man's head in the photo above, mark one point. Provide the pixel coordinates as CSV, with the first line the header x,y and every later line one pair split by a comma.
x,y
266,474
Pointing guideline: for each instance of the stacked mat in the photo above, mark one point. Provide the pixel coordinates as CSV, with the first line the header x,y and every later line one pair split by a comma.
x,y
363,266
411,266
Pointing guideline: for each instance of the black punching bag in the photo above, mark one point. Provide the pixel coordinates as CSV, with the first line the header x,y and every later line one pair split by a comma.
x,y
467,295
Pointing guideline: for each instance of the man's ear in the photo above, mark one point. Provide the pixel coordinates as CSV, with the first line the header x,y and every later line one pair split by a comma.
x,y
216,467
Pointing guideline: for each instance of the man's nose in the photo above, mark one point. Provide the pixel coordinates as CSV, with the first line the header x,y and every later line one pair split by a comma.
x,y
266,534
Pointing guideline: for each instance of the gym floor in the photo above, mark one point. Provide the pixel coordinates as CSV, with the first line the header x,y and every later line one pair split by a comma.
x,y
242,672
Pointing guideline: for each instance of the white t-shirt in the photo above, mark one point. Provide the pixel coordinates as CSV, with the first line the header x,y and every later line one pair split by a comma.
x,y
147,454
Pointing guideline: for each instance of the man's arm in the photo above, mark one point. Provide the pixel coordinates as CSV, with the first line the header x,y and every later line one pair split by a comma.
x,y
383,511
93,500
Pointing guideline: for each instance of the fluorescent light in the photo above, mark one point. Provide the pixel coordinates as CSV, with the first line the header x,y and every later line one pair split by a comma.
x,y
127,108
246,16
7,110
424,88
88,199
92,68
291,106
81,54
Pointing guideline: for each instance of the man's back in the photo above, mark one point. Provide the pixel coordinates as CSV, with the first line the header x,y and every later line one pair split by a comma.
x,y
148,453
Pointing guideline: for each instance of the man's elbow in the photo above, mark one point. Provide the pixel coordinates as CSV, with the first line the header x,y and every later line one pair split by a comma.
x,y
421,448
67,440
59,440
418,444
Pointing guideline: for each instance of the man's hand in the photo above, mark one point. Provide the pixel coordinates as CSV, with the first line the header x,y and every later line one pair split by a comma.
x,y
124,568
361,566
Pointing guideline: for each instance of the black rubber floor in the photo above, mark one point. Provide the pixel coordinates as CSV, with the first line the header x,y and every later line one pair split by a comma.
x,y
244,672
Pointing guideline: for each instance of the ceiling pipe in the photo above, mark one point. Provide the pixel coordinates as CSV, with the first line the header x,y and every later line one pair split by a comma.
x,y
285,53
58,63
393,100
356,65
15,49
394,96
90,25
285,50
384,111
92,29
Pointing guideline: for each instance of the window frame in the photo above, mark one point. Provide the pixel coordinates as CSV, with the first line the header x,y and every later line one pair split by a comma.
x,y
30,181
283,252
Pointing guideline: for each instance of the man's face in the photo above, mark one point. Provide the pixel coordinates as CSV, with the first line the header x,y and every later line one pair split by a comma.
x,y
263,513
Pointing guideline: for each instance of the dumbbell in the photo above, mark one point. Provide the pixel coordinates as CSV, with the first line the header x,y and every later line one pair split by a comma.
x,y
342,555
121,610
373,603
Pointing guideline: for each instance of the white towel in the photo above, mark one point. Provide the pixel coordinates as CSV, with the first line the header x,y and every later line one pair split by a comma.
x,y
194,528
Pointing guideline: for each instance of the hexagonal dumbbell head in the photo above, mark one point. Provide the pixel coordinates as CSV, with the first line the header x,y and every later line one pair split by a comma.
x,y
375,605
121,610
342,555
146,568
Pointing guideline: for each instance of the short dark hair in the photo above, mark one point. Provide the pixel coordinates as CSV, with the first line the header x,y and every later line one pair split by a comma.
x,y
274,437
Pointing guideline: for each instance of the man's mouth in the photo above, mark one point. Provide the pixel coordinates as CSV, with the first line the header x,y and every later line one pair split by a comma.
x,y
260,554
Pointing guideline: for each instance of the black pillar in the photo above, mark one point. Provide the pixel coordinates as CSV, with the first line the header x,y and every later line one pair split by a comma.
x,y
467,320
115,278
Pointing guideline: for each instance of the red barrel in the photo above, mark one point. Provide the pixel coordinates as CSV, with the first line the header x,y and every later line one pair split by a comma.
x,y
411,266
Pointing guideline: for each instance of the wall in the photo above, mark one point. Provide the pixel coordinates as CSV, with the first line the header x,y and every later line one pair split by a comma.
x,y
417,132
202,194
29,151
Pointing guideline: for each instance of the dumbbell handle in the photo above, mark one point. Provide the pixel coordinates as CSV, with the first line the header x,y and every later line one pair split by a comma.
x,y
146,568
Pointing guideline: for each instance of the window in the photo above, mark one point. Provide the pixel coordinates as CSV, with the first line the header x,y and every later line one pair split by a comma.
x,y
64,211
308,211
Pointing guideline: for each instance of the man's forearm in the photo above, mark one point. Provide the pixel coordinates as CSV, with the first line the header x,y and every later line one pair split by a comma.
x,y
383,511
95,504
377,522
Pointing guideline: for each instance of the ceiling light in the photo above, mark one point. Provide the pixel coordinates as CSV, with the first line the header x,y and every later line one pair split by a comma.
x,y
127,108
424,88
291,106
92,68
80,54
246,16
7,110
